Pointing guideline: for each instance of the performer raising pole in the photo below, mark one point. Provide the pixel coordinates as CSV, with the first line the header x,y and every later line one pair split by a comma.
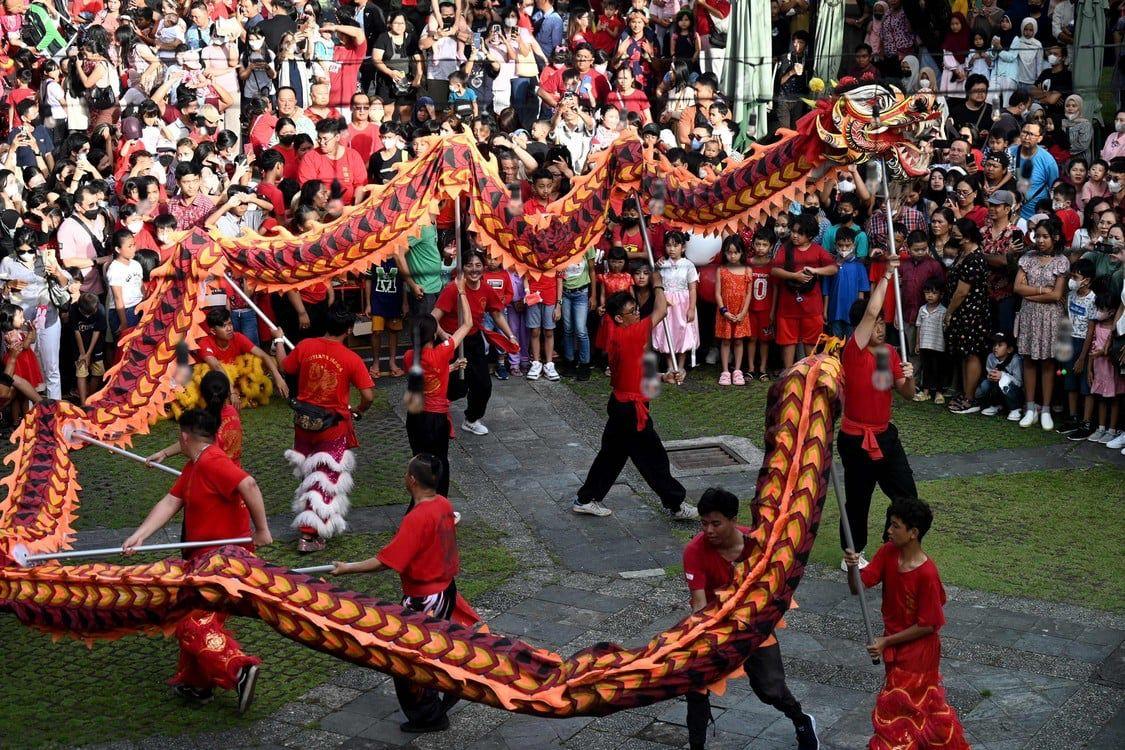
x,y
911,711
868,442
219,500
629,432
424,554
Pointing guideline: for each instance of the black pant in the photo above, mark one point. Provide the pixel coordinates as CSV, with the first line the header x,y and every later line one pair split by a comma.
x,y
423,705
428,432
934,376
475,385
767,679
288,318
621,441
892,473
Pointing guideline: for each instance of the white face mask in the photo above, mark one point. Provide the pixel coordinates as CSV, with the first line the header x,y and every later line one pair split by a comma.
x,y
1119,127
1052,60
135,226
27,257
192,63
1114,186
948,261
256,44
1072,284
924,84
845,186
845,254
511,23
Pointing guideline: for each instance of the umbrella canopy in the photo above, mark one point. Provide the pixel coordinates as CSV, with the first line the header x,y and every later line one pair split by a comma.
x,y
829,44
1089,50
748,74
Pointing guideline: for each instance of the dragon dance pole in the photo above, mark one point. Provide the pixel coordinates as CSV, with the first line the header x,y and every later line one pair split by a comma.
x,y
853,571
77,435
652,262
458,263
899,323
314,569
257,310
26,560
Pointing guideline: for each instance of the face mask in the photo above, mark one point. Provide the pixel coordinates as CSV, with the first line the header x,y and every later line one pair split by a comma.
x,y
924,84
91,214
12,189
696,144
27,257
781,232
192,63
135,226
1058,205
511,23
256,44
1052,60
845,186
948,262
845,254
1114,186
1072,284
285,140
1119,127
629,222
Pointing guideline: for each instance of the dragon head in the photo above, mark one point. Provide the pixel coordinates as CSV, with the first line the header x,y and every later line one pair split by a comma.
x,y
878,121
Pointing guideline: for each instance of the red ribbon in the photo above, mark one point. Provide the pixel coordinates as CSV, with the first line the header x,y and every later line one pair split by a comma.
x,y
869,431
640,404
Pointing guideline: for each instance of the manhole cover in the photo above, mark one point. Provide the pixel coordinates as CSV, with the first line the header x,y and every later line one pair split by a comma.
x,y
711,456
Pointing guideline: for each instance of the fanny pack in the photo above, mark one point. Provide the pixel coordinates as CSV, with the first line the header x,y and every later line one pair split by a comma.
x,y
313,418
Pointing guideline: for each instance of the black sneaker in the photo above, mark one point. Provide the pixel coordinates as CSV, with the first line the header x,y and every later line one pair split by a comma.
x,y
1085,430
566,368
966,407
247,679
1068,425
806,733
502,372
412,728
202,696
583,371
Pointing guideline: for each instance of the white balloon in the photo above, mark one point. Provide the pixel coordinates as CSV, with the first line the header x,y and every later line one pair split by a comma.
x,y
701,249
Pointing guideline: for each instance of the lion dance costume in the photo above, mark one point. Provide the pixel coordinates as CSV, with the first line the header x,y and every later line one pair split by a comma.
x,y
100,600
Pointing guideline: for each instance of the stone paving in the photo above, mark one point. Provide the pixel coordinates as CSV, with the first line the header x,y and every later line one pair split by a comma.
x,y
1021,673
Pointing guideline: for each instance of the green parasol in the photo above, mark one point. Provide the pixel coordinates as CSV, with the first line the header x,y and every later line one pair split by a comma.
x,y
829,42
1089,50
748,74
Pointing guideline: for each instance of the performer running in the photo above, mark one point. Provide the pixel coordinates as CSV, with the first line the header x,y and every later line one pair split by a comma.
x,y
868,443
424,554
219,499
709,560
629,432
911,712
476,384
324,428
430,430
214,389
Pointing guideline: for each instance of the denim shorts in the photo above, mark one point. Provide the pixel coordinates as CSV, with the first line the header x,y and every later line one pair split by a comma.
x,y
540,316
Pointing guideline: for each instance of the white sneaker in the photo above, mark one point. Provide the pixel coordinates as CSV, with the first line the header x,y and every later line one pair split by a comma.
x,y
1015,415
1118,442
1045,421
550,372
593,508
1108,437
686,513
861,565
990,411
535,371
477,427
1030,417
1096,435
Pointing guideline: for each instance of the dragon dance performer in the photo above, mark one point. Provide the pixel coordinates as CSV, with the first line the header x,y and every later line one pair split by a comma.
x,y
214,389
424,554
476,385
324,428
430,430
911,712
219,500
709,561
629,432
868,443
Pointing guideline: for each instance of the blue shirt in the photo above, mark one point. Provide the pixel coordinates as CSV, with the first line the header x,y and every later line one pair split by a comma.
x,y
1044,171
550,33
844,288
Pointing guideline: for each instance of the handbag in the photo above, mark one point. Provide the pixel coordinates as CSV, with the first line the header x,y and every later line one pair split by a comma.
x,y
57,294
719,29
312,418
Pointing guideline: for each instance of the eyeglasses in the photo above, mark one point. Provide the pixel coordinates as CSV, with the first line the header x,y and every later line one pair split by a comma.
x,y
361,107
964,193
978,91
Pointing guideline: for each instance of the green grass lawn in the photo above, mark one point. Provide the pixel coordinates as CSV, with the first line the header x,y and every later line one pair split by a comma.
x,y
63,694
701,407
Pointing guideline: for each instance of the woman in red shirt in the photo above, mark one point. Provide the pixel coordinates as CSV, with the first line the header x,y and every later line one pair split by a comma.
x,y
628,97
214,389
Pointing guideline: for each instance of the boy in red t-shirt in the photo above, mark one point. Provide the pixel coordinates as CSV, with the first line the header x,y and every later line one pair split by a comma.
x,y
763,303
800,304
424,554
709,561
224,345
913,695
543,312
500,281
219,500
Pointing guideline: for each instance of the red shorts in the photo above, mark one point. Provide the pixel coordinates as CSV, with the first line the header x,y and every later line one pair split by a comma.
x,y
761,325
803,330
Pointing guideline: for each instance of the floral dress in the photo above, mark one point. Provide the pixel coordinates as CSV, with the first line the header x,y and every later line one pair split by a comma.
x,y
968,329
1037,323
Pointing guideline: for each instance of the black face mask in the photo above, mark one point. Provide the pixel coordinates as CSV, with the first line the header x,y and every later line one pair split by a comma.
x,y
91,214
630,222
285,140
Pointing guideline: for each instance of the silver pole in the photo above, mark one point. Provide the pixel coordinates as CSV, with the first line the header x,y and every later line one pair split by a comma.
x,y
257,310
652,262
899,322
122,452
457,261
110,551
312,569
853,571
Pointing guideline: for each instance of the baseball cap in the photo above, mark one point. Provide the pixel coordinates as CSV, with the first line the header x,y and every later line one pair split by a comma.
x,y
210,114
1002,197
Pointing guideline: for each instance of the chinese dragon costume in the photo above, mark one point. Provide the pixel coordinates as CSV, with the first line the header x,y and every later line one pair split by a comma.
x,y
101,600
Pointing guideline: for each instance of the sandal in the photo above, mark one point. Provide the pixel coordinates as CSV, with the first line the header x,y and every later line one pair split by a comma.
x,y
764,377
724,379
307,544
737,378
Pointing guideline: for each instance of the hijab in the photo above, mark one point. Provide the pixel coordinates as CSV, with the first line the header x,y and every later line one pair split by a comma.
x,y
1081,107
910,82
957,43
1006,37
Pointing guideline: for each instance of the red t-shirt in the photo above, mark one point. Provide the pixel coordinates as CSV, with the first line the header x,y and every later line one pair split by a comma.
x,y
229,437
289,154
862,402
706,570
274,196
912,598
501,282
634,243
626,350
547,286
314,294
482,299
213,507
636,101
704,20
350,171
761,287
261,132
435,374
235,348
424,549
346,61
326,371
812,301
365,142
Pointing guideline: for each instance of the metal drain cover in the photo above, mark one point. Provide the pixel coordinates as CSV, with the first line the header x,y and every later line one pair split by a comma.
x,y
709,456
